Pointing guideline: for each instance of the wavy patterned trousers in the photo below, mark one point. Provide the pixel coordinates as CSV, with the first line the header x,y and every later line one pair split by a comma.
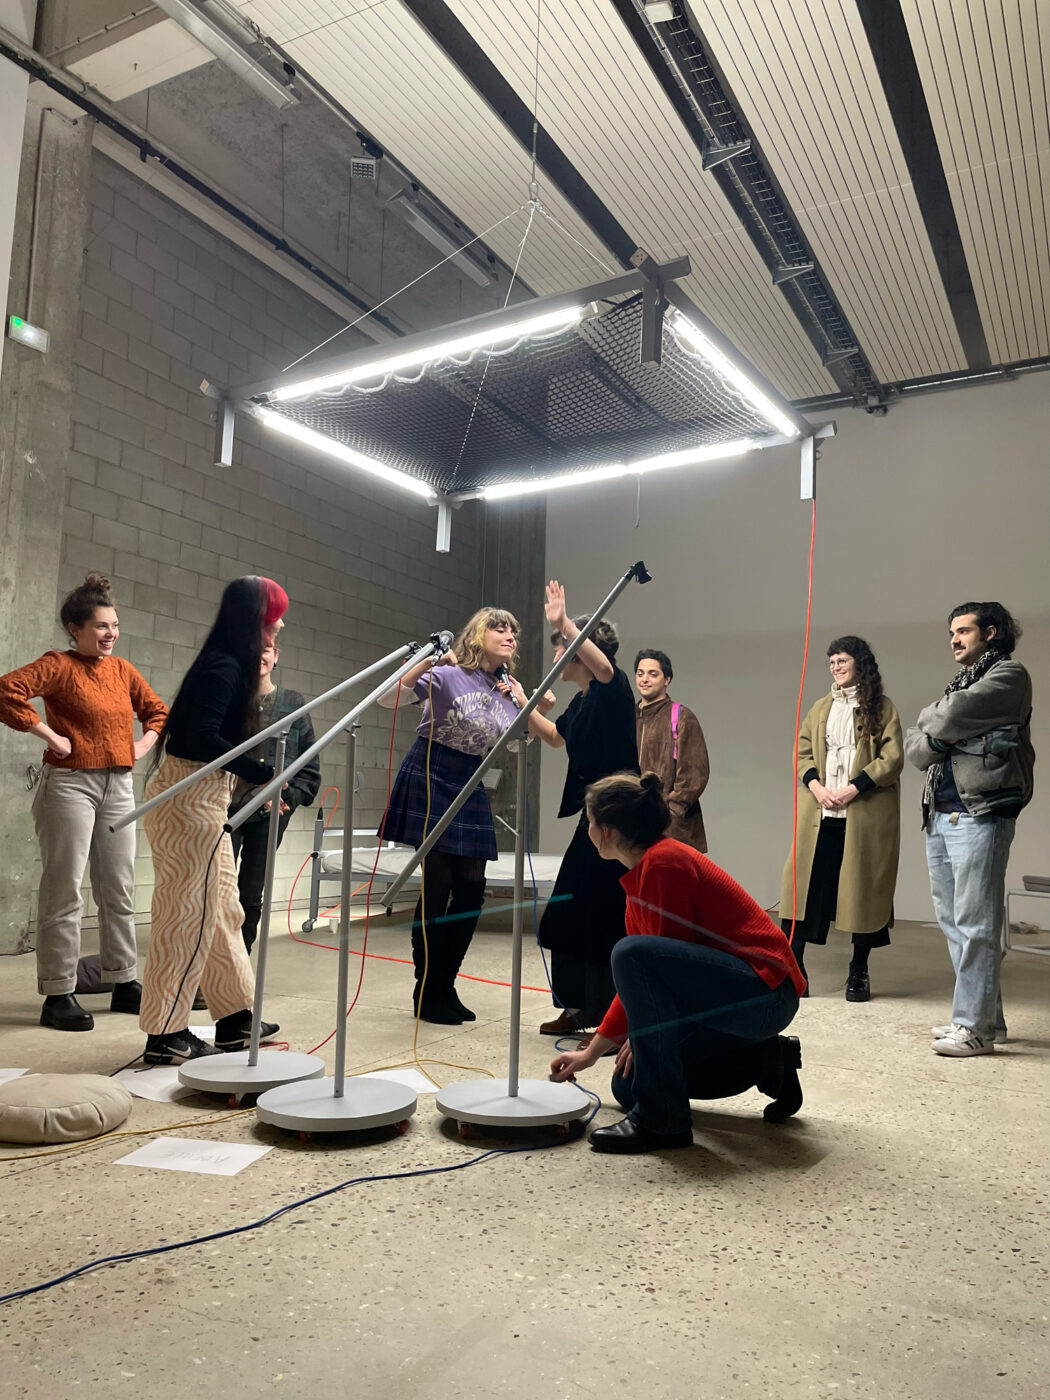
x,y
195,936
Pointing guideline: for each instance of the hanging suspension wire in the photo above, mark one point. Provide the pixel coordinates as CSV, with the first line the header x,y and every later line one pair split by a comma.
x,y
488,354
387,300
534,189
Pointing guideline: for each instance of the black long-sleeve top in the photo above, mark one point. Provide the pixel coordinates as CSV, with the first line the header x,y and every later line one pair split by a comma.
x,y
206,721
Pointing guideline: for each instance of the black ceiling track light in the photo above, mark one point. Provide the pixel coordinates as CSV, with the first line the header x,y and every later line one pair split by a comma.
x,y
676,53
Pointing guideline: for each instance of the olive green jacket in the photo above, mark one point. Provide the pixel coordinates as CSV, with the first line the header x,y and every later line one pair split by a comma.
x,y
868,876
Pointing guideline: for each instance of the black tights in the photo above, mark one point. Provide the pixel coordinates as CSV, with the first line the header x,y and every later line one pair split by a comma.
x,y
858,962
453,893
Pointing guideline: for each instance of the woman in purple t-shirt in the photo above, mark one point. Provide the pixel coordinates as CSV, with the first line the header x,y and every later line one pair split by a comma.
x,y
465,711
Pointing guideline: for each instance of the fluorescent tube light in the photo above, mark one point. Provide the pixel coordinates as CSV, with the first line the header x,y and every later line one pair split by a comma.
x,y
760,402
442,239
532,486
341,453
408,359
227,35
689,456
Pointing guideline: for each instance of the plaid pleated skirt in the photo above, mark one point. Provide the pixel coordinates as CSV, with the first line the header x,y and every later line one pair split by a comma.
x,y
471,832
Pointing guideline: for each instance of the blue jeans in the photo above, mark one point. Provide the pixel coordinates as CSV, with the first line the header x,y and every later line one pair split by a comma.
x,y
702,1024
967,862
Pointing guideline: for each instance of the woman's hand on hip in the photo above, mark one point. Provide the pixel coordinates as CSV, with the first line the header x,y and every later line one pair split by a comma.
x,y
60,745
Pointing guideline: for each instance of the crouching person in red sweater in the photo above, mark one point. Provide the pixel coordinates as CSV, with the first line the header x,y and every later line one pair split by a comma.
x,y
700,1003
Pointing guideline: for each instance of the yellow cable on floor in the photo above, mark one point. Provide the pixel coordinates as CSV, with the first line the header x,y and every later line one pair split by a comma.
x,y
122,1133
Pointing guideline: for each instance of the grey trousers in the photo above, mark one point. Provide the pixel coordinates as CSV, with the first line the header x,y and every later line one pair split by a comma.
x,y
72,810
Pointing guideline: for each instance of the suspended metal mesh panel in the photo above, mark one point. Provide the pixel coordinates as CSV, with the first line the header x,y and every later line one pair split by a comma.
x,y
558,402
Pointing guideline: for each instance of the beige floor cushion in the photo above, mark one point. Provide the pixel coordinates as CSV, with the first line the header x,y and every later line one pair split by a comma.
x,y
60,1107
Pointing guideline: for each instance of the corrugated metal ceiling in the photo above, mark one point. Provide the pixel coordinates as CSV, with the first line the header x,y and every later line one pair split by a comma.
x,y
805,77
986,70
807,85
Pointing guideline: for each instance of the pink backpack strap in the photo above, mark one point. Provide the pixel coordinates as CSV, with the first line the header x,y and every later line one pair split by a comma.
x,y
676,710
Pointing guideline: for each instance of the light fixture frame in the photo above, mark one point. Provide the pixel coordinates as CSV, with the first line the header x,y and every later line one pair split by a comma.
x,y
786,423
227,36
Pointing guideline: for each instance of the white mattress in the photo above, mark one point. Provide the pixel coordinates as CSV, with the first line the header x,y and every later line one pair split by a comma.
x,y
499,873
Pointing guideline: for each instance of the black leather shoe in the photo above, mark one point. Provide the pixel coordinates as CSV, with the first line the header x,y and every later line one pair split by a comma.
x,y
627,1136
858,987
789,1100
127,996
65,1013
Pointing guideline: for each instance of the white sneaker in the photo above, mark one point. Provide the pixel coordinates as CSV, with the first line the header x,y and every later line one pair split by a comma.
x,y
941,1032
962,1041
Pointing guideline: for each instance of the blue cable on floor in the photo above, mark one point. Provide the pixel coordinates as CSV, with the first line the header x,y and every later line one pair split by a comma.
x,y
296,1205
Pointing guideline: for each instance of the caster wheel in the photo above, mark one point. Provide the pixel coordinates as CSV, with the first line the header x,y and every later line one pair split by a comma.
x,y
402,1127
561,1130
464,1131
308,927
304,1137
233,1101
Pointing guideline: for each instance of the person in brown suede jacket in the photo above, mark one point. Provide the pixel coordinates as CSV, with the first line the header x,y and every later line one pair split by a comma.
x,y
671,743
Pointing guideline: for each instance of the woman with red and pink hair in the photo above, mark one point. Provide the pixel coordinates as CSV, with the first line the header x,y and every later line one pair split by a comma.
x,y
196,917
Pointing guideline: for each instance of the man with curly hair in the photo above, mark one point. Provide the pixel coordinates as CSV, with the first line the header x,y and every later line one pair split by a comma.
x,y
975,747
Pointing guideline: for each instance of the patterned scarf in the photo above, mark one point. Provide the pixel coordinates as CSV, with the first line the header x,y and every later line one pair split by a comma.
x,y
962,680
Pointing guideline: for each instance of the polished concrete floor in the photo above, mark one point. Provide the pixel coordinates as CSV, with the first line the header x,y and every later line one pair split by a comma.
x,y
890,1242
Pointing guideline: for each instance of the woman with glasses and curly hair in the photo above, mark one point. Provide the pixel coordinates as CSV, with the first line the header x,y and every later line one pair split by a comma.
x,y
844,866
467,707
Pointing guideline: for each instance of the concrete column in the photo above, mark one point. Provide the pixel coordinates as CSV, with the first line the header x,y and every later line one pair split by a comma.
x,y
36,393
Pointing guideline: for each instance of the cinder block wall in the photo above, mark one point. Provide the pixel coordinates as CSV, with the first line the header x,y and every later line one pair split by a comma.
x,y
166,303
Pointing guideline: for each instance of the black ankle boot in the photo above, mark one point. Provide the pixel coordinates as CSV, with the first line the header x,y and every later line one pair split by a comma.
x,y
441,1006
65,1013
858,987
127,997
789,1096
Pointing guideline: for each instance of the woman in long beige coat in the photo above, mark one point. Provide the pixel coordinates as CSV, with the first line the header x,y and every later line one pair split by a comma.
x,y
850,756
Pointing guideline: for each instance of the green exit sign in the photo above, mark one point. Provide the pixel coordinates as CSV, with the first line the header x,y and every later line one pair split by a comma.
x,y
35,337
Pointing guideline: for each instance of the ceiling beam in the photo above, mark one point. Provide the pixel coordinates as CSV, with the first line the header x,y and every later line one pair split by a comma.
x,y
680,60
891,48
458,45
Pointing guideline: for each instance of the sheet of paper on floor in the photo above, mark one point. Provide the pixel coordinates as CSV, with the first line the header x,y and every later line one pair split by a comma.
x,y
6,1074
159,1083
194,1155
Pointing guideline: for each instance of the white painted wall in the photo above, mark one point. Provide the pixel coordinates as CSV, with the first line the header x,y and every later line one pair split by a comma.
x,y
944,500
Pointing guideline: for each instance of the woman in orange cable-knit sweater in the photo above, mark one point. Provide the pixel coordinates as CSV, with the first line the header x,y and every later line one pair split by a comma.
x,y
91,699
703,999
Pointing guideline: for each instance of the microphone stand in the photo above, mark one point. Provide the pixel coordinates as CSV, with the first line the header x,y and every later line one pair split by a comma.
x,y
514,1102
254,1071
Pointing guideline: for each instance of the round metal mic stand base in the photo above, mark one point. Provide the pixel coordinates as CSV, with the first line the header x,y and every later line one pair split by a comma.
x,y
232,1074
314,1108
487,1103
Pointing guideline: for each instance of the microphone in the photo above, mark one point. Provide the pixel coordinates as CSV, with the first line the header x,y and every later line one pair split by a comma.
x,y
502,674
443,641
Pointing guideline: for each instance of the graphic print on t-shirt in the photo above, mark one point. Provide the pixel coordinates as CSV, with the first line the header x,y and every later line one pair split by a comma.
x,y
473,723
